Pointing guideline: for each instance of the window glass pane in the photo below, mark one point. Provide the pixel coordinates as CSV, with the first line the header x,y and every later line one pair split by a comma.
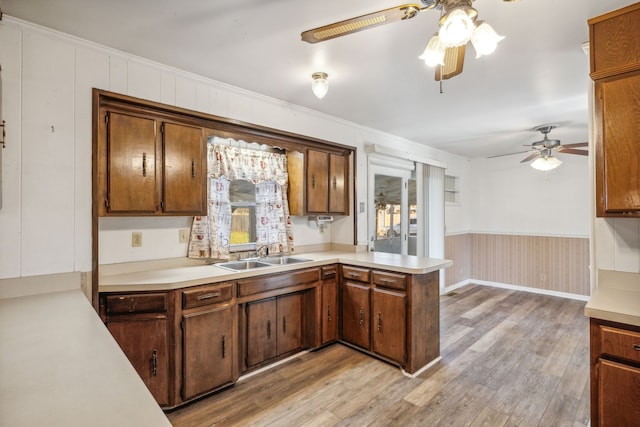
x,y
242,195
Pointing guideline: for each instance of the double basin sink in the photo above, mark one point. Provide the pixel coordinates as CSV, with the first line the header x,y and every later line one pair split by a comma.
x,y
250,264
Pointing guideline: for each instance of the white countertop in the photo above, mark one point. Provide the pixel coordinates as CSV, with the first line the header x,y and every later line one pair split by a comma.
x,y
617,298
125,278
59,366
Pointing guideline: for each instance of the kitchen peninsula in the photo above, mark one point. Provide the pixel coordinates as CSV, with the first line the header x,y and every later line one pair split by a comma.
x,y
190,329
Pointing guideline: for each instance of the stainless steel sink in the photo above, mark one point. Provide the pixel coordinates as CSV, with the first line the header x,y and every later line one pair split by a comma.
x,y
283,260
243,265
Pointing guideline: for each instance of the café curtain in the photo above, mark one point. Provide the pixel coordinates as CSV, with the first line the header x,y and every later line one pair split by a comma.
x,y
227,161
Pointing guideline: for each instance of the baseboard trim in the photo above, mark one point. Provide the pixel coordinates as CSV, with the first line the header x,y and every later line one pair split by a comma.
x,y
516,288
421,370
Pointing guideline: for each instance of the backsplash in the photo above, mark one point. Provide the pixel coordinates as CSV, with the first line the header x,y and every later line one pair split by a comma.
x,y
160,237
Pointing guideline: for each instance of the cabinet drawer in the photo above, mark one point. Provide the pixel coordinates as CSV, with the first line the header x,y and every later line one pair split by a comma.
x,y
136,303
205,295
268,283
389,280
620,343
330,272
354,273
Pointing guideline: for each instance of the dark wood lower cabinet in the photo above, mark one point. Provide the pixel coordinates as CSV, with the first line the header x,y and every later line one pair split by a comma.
x,y
144,341
615,374
261,331
189,342
274,328
329,312
208,350
355,314
389,324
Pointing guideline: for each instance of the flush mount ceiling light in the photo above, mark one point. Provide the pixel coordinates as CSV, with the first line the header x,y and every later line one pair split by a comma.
x,y
320,84
547,162
457,26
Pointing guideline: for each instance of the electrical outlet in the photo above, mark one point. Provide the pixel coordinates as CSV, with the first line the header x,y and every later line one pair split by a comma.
x,y
183,235
136,239
543,277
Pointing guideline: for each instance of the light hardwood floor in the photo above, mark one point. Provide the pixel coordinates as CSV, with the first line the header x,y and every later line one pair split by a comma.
x,y
509,358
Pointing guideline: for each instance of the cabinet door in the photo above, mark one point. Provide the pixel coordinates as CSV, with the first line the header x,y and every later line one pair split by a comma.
x,y
619,391
261,331
355,314
338,200
317,181
289,310
207,350
131,164
144,341
618,158
184,185
389,324
329,310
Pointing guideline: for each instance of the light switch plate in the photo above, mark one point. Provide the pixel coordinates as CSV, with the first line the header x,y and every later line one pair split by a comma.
x,y
183,235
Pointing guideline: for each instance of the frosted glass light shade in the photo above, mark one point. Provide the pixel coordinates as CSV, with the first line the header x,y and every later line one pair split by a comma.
x,y
456,29
320,84
546,163
434,52
485,39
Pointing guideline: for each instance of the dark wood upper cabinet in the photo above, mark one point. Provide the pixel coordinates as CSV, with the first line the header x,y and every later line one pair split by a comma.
x,y
151,167
131,164
318,184
615,67
184,171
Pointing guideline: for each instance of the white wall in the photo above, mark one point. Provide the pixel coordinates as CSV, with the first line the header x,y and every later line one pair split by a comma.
x,y
508,197
45,221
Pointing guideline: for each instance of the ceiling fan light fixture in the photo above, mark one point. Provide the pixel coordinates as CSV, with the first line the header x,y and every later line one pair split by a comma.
x,y
434,52
456,26
546,163
320,84
485,39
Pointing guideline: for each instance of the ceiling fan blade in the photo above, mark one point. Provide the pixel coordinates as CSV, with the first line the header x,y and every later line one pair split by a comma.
x,y
531,157
507,154
576,145
573,151
453,63
353,25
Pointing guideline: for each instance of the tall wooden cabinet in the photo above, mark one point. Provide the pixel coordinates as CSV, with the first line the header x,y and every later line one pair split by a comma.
x,y
615,68
150,166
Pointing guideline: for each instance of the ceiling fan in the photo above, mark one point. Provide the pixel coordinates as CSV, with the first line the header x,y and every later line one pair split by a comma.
x,y
458,25
542,151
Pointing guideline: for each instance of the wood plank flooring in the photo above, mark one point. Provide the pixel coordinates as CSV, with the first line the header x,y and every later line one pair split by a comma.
x,y
509,358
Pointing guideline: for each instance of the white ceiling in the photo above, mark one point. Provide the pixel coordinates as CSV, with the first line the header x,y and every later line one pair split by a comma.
x,y
538,74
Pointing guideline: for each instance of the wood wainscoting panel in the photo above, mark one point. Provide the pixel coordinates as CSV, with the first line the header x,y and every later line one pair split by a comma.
x,y
457,248
559,264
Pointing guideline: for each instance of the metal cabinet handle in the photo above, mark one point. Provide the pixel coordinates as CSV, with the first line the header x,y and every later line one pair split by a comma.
x,y
144,164
268,328
154,363
224,346
284,324
361,316
208,296
379,322
313,182
636,347
352,274
334,182
329,312
193,168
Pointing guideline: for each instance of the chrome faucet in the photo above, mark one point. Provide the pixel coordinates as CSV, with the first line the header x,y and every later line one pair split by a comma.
x,y
262,251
